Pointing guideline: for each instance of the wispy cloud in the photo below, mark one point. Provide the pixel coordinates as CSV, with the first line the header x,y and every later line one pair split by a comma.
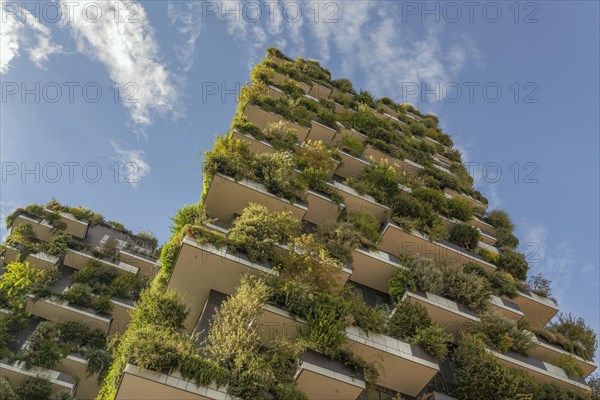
x,y
131,54
132,163
20,27
187,16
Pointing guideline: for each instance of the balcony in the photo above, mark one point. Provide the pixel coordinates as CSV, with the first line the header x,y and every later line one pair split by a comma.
x,y
374,268
146,266
442,161
395,240
76,365
16,373
319,91
78,259
227,197
402,167
262,119
336,93
256,146
355,201
450,315
51,309
321,208
274,92
74,226
548,352
506,307
201,268
321,377
318,131
120,315
443,169
38,260
350,165
279,78
537,310
143,385
541,371
484,227
403,367
41,228
353,133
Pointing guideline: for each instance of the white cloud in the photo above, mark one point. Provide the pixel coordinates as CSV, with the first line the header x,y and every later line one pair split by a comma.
x,y
188,19
131,55
20,27
132,162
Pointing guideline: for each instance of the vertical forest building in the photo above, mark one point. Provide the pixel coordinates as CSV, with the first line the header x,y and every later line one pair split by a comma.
x,y
340,251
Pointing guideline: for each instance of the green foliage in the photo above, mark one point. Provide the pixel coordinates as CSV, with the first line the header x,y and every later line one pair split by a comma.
x,y
465,235
434,340
513,263
378,180
147,238
99,361
499,219
327,324
6,391
344,85
193,214
407,319
505,239
19,279
576,330
281,137
469,289
402,281
371,319
274,171
59,244
460,209
569,364
289,392
540,285
339,239
168,257
367,225
257,230
228,156
504,333
428,277
431,196
308,262
34,389
479,374
503,284
234,338
352,146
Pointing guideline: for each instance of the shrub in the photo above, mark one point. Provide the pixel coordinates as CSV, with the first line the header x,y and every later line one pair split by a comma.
x,y
126,285
327,322
407,319
468,289
59,244
434,340
352,145
228,156
19,279
513,263
432,196
339,239
499,219
371,319
79,294
344,85
276,172
102,304
168,256
289,391
6,391
465,235
281,136
576,330
193,214
540,285
505,239
569,364
401,282
503,284
99,362
256,230
427,276
34,389
367,225
488,255
460,209
479,374
504,333
308,262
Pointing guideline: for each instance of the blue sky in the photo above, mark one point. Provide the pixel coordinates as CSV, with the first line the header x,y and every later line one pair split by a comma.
x,y
533,148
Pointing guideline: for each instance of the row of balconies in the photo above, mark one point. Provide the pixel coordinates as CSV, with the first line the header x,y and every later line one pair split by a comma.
x,y
70,374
